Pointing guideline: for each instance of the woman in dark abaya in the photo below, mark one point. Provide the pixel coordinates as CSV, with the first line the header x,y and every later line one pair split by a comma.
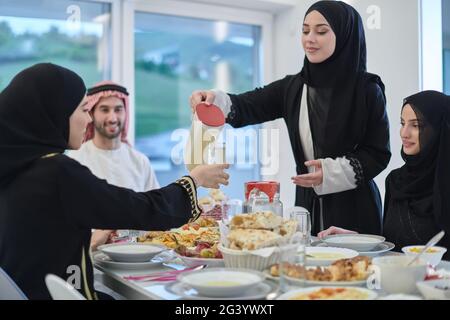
x,y
336,118
49,202
417,202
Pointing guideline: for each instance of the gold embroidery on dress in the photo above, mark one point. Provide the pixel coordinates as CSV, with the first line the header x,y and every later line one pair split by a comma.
x,y
83,270
50,155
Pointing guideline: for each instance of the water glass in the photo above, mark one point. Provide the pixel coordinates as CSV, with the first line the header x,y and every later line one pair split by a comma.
x,y
230,208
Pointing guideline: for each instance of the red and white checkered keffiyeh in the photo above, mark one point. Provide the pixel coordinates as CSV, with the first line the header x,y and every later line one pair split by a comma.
x,y
95,98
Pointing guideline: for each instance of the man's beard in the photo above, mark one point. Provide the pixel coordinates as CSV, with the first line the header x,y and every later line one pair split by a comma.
x,y
102,130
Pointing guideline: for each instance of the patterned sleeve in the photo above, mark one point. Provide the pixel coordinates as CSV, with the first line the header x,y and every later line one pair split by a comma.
x,y
189,185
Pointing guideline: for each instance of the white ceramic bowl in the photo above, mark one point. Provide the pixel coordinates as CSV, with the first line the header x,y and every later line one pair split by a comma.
x,y
221,282
324,256
433,258
435,289
131,252
193,262
366,294
358,242
395,276
245,259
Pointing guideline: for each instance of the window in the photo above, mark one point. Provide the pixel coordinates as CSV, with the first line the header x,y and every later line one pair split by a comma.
x,y
446,44
74,34
175,55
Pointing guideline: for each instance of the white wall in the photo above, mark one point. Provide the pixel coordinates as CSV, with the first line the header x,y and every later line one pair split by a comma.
x,y
393,53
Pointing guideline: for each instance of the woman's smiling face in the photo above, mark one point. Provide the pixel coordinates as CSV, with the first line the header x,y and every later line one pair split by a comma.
x,y
318,39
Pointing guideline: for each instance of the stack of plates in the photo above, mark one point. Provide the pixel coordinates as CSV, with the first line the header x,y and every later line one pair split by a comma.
x,y
130,256
364,244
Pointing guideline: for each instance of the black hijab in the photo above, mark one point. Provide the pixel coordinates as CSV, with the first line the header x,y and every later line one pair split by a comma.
x,y
423,181
338,86
34,115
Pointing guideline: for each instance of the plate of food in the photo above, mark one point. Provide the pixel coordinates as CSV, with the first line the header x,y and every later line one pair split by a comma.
x,y
201,222
329,293
187,235
324,256
213,204
203,253
345,272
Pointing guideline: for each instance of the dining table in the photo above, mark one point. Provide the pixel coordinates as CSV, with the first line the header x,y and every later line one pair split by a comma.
x,y
129,285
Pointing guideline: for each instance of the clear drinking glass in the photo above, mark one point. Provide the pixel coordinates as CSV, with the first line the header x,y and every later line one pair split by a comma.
x,y
230,208
292,264
292,267
303,218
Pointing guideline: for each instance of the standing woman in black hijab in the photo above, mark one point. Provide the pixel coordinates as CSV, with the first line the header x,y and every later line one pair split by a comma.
x,y
336,118
49,202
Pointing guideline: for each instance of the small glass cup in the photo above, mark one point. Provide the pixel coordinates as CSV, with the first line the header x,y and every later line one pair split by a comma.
x,y
121,235
230,208
292,264
292,267
303,218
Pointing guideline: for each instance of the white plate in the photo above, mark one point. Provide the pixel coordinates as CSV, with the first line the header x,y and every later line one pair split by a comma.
x,y
193,262
131,252
103,260
258,292
359,242
379,249
329,255
290,294
221,282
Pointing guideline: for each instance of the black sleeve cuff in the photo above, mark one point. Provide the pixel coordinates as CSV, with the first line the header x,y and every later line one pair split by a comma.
x,y
188,184
357,167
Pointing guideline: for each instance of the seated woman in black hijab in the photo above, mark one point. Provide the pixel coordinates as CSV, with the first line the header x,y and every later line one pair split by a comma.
x,y
49,202
336,118
417,201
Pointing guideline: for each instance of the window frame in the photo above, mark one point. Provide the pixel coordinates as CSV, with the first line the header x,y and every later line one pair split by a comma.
x,y
191,10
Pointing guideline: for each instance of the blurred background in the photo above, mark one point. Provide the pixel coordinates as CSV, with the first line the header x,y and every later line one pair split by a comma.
x,y
162,50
